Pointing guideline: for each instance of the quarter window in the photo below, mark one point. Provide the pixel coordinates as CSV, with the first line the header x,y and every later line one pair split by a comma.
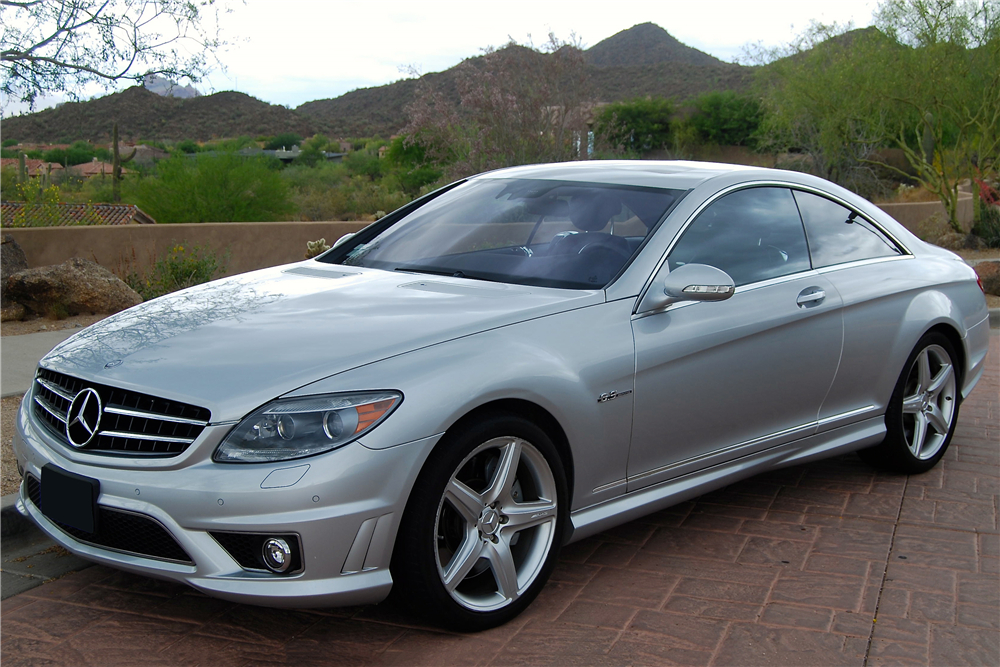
x,y
752,235
838,235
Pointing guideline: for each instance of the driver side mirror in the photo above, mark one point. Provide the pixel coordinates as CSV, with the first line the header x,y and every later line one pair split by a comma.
x,y
690,282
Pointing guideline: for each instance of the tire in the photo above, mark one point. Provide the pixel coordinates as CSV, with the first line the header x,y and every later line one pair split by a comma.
x,y
483,526
923,410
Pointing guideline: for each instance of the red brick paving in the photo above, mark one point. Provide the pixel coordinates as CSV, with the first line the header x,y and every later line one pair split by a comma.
x,y
828,563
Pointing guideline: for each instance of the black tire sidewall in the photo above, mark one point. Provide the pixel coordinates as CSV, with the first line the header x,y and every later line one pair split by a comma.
x,y
414,566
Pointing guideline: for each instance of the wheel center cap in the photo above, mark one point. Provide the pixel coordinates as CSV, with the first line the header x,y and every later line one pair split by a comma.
x,y
489,521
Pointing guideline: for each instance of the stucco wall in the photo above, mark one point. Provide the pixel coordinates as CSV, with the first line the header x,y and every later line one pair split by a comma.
x,y
928,219
251,245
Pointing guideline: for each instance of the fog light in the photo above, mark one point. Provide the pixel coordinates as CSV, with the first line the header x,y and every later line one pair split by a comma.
x,y
277,555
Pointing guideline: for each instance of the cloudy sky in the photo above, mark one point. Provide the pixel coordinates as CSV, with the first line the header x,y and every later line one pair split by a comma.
x,y
293,51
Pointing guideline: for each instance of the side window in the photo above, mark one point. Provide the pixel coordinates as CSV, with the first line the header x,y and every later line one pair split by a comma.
x,y
837,234
752,235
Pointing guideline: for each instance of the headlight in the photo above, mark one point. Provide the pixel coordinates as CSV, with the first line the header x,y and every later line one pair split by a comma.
x,y
297,427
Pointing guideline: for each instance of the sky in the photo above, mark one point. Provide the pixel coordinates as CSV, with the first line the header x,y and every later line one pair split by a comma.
x,y
293,51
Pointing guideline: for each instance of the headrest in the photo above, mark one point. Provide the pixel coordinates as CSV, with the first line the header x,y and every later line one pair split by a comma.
x,y
590,212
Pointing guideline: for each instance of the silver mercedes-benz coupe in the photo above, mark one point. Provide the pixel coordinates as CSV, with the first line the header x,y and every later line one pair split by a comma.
x,y
514,362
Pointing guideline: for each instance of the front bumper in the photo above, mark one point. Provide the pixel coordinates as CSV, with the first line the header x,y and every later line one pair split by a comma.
x,y
344,506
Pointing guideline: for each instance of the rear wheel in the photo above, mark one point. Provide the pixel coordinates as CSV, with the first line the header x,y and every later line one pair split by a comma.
x,y
484,524
923,411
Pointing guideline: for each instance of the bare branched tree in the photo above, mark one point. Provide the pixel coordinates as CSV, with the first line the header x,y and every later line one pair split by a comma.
x,y
60,46
518,105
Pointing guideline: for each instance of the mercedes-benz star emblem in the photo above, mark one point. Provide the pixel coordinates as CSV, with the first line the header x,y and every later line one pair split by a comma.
x,y
83,418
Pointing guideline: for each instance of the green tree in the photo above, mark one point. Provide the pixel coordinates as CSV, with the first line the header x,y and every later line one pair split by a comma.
x,y
215,188
284,141
636,126
925,78
727,118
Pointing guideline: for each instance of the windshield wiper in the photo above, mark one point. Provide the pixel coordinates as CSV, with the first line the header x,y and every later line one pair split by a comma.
x,y
434,271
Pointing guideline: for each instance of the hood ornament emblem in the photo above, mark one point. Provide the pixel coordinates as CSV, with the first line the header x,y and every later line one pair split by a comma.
x,y
112,364
83,418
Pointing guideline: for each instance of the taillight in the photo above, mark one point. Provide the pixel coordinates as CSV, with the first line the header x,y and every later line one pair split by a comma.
x,y
979,281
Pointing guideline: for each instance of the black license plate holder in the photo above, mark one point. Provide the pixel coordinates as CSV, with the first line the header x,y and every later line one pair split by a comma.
x,y
69,499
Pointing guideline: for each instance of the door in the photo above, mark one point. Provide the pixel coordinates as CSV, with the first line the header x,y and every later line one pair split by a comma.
x,y
720,380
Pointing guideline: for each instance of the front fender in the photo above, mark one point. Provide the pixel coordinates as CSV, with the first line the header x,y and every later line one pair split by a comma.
x,y
562,363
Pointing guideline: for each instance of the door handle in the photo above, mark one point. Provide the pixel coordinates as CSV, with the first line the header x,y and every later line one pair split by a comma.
x,y
810,297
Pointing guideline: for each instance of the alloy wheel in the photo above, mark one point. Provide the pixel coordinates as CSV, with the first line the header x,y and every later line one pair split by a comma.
x,y
495,524
929,402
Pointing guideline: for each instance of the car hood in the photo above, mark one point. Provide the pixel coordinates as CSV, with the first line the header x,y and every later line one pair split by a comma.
x,y
234,344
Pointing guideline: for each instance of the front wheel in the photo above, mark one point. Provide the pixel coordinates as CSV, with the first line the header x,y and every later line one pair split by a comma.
x,y
923,411
484,524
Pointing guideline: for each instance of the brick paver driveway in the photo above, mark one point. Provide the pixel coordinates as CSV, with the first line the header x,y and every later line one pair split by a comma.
x,y
828,563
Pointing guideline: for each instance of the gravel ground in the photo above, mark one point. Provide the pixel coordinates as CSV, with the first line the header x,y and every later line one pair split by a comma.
x,y
8,464
44,324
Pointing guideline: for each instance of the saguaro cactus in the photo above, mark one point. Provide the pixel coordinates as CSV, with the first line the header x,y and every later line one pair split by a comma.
x,y
116,164
22,170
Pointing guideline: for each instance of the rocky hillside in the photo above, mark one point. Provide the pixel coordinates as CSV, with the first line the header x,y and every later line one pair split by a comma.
x,y
645,44
142,114
643,60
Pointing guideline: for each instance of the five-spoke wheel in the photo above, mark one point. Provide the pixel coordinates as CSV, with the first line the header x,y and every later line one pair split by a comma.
x,y
484,524
921,416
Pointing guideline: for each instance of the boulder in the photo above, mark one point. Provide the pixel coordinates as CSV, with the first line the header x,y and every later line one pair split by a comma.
x,y
956,241
989,274
12,260
15,312
71,288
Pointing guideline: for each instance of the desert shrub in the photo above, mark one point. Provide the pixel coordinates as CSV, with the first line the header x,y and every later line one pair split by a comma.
x,y
284,140
215,188
727,118
182,266
9,142
636,126
187,146
988,226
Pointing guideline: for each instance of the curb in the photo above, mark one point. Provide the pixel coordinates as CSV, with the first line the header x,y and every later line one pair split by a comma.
x,y
994,318
13,522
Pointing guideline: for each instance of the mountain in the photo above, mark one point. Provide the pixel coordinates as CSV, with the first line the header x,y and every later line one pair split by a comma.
x,y
644,60
164,86
142,114
645,44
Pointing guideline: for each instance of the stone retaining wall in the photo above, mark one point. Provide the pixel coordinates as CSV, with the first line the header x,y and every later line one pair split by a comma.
x,y
251,245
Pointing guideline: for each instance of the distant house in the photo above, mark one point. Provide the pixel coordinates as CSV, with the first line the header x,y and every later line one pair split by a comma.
x,y
96,168
66,215
146,154
34,168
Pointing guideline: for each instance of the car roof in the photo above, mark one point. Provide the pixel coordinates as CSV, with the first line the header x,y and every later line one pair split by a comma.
x,y
675,174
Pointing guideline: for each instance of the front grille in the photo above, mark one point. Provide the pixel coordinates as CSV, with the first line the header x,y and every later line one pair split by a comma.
x,y
247,549
121,530
131,424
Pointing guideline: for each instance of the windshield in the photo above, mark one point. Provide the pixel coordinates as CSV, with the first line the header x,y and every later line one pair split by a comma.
x,y
529,232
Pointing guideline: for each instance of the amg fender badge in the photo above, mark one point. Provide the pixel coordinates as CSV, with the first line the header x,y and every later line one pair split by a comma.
x,y
612,395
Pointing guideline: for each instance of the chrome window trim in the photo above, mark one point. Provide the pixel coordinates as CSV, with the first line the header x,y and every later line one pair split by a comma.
x,y
848,205
761,184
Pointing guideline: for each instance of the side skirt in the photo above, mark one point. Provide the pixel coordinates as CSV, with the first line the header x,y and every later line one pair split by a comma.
x,y
592,520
